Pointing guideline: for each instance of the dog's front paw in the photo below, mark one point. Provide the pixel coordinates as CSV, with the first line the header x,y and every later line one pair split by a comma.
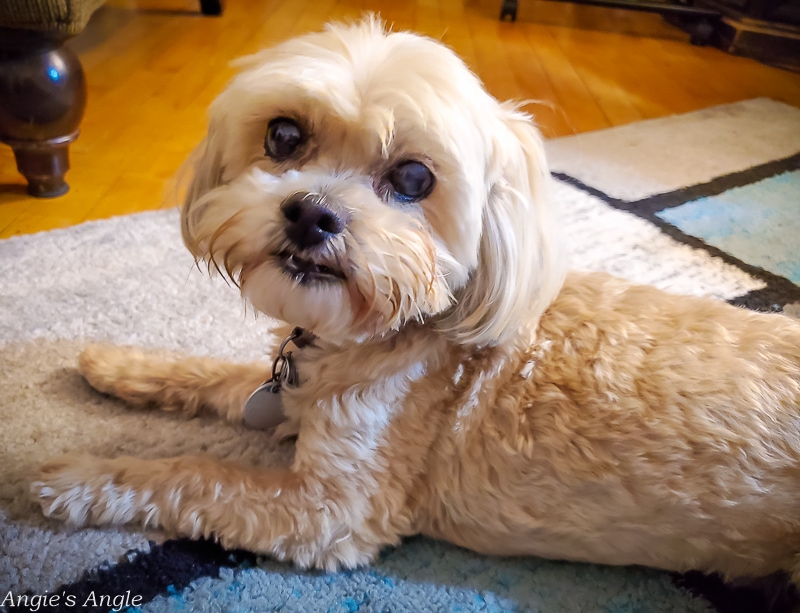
x,y
81,490
106,368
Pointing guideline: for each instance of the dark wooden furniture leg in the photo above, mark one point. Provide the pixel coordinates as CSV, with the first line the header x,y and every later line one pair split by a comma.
x,y
508,9
211,7
42,99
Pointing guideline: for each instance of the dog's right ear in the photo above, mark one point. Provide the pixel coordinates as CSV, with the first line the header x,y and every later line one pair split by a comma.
x,y
206,168
521,264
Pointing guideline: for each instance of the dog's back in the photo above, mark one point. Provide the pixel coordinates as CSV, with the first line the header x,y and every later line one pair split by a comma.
x,y
639,428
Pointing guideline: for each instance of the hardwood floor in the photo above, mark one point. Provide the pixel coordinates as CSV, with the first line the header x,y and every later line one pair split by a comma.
x,y
153,66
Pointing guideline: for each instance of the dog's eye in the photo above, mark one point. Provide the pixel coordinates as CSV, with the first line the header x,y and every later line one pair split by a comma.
x,y
283,138
411,181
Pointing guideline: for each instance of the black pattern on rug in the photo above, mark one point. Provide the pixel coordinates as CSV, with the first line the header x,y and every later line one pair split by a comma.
x,y
778,292
167,568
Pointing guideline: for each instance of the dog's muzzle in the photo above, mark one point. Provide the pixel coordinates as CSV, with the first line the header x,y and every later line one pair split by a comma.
x,y
308,223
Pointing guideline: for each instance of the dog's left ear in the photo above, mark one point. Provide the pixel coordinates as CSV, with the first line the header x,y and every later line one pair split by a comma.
x,y
206,168
521,264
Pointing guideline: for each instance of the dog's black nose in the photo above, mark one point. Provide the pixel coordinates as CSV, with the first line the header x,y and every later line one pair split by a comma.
x,y
309,221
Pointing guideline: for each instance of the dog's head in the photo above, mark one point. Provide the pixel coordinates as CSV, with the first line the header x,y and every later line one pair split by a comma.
x,y
353,181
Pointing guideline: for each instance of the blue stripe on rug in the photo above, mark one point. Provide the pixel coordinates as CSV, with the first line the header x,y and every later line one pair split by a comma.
x,y
424,576
758,223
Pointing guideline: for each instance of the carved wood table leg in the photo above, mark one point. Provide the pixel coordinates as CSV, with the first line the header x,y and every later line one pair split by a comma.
x,y
42,99
44,165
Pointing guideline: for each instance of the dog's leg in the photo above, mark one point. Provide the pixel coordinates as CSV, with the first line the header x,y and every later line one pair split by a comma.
x,y
312,519
186,385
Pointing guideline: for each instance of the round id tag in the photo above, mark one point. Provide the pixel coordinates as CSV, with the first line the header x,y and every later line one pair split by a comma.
x,y
264,408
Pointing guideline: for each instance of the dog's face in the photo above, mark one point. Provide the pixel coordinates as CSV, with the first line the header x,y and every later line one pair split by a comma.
x,y
353,181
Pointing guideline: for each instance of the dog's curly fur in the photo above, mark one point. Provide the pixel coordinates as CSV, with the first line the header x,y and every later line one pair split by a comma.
x,y
462,385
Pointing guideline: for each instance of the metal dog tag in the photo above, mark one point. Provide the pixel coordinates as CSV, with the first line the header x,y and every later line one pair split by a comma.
x,y
264,409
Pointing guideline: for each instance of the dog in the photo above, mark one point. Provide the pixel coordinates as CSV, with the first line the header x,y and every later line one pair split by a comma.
x,y
458,380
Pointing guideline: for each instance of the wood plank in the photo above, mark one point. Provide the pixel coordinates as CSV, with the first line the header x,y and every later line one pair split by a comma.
x,y
629,83
13,203
131,193
492,65
598,59
456,32
87,188
573,97
534,84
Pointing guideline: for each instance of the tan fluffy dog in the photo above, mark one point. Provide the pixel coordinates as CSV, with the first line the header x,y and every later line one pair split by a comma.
x,y
364,186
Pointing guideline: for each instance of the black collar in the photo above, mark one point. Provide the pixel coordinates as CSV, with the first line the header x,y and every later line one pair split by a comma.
x,y
302,338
